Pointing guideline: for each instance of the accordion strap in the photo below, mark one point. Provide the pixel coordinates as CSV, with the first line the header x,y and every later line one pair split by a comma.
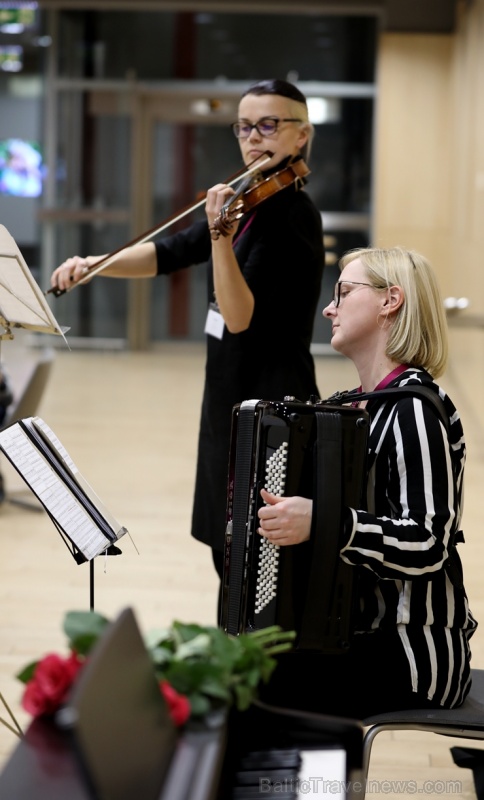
x,y
239,532
325,543
423,391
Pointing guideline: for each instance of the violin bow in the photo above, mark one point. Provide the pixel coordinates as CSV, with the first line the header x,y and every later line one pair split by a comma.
x,y
104,262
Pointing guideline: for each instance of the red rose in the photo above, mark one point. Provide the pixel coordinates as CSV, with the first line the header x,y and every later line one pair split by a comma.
x,y
48,688
178,704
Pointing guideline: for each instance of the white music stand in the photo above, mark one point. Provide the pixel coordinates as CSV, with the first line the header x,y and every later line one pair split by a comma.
x,y
22,303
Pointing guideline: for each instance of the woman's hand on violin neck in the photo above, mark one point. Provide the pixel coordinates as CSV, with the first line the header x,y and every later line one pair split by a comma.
x,y
217,196
70,271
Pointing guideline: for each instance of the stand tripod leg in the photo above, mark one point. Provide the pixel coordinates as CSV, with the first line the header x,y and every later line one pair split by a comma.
x,y
91,584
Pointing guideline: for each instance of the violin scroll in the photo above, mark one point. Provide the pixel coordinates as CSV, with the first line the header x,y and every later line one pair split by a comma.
x,y
230,213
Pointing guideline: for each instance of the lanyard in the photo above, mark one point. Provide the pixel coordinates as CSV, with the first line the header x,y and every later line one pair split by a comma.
x,y
389,378
247,224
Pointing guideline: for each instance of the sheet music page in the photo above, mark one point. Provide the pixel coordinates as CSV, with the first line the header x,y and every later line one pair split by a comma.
x,y
52,492
22,304
51,454
52,440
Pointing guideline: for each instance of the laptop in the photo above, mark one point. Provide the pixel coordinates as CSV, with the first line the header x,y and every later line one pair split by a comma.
x,y
117,718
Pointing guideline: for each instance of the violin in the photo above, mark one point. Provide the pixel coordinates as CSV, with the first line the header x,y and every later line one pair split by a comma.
x,y
255,190
250,193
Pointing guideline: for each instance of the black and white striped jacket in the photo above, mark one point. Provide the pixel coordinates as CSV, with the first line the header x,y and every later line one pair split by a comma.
x,y
400,542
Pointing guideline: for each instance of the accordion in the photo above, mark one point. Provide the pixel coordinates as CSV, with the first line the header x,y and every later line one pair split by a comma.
x,y
315,450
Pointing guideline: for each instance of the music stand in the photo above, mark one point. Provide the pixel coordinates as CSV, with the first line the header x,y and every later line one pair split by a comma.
x,y
23,305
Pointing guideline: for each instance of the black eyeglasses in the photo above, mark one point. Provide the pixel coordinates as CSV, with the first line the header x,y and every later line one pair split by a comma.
x,y
337,289
266,126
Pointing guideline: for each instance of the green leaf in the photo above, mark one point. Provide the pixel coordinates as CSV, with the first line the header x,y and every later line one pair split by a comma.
x,y
200,706
267,670
214,688
184,632
227,650
243,697
83,644
159,637
83,629
187,677
252,677
160,656
193,648
27,673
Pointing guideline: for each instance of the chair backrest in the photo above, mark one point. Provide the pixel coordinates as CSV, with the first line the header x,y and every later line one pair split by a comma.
x,y
27,403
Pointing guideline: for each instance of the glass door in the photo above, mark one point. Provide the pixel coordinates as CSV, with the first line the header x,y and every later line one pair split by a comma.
x,y
138,157
136,125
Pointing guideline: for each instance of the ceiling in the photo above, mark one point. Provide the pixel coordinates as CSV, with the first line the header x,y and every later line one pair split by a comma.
x,y
404,16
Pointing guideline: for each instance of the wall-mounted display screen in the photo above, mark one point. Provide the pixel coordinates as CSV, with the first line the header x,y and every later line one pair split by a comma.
x,y
16,16
21,168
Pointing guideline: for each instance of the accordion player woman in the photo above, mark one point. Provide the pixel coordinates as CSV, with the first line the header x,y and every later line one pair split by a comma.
x,y
412,622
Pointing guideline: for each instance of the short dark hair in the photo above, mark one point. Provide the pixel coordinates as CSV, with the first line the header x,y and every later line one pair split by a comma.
x,y
274,86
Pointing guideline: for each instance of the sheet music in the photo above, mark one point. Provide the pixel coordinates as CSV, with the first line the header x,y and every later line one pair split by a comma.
x,y
53,492
22,303
50,437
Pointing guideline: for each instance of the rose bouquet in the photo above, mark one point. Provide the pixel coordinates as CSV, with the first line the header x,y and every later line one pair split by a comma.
x,y
199,668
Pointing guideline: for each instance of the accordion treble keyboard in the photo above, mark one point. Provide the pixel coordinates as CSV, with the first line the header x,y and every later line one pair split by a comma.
x,y
292,448
268,560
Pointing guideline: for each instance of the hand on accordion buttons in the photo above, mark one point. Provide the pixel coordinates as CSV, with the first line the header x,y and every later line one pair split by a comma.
x,y
285,520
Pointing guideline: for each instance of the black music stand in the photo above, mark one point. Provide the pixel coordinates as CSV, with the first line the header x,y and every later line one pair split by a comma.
x,y
83,522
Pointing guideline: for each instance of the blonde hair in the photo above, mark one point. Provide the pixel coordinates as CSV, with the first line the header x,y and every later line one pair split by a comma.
x,y
300,111
419,334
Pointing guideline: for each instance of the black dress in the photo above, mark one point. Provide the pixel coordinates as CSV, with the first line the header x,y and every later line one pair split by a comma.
x,y
280,251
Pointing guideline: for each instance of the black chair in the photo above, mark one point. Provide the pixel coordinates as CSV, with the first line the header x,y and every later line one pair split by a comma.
x,y
466,722
27,402
24,405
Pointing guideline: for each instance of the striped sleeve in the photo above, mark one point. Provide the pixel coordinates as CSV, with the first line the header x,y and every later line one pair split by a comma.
x,y
412,504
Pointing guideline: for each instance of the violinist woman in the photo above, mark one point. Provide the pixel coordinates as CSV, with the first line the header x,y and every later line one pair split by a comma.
x,y
264,281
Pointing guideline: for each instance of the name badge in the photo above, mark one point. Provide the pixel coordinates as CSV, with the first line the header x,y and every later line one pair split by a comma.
x,y
214,326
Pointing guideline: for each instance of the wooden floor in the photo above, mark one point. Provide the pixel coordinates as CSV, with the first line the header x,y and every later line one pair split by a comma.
x,y
130,421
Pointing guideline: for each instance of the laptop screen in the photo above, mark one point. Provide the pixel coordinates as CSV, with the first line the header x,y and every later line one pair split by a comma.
x,y
120,725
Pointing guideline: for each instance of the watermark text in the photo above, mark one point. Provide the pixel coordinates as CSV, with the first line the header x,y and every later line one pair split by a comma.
x,y
319,786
